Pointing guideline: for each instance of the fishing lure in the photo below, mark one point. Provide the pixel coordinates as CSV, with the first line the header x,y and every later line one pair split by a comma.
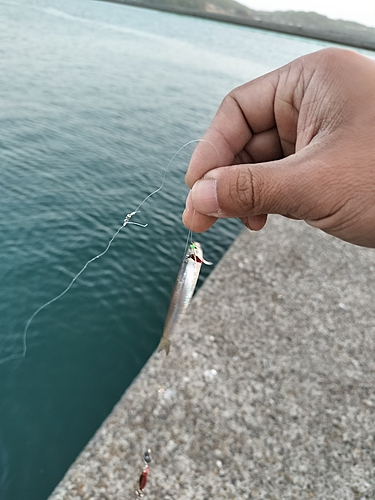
x,y
144,475
183,291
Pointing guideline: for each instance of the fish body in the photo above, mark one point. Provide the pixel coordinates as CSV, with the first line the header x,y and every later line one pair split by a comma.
x,y
182,292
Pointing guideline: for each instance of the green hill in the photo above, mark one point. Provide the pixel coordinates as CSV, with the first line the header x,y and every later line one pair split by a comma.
x,y
225,6
307,24
312,20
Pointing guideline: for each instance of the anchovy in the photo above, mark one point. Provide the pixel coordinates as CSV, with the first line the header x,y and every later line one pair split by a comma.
x,y
182,292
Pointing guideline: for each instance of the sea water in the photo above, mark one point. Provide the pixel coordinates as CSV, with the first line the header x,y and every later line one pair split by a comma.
x,y
95,98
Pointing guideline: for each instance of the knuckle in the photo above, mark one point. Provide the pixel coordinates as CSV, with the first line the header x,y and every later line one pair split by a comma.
x,y
242,191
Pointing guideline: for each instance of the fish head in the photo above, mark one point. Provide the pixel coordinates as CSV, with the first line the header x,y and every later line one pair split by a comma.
x,y
196,251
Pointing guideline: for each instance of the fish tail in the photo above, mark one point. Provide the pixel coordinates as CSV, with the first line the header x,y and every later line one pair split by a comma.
x,y
165,344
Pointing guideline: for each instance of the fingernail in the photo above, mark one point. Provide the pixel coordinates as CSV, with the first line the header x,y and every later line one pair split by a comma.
x,y
204,197
183,217
188,208
189,203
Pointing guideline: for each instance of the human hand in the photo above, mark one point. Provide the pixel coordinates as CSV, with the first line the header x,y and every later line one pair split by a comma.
x,y
299,141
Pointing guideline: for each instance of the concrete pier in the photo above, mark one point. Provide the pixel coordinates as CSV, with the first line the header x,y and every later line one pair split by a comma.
x,y
268,391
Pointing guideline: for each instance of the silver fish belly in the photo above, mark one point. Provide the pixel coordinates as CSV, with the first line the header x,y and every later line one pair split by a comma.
x,y
182,292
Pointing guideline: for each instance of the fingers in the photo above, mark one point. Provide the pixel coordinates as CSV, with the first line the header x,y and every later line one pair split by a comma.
x,y
255,222
194,220
243,131
240,191
199,222
245,114
288,186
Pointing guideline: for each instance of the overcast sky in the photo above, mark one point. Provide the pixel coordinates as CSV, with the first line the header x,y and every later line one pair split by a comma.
x,y
361,11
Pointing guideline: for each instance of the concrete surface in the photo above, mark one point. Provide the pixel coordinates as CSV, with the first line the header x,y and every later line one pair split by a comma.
x,y
269,389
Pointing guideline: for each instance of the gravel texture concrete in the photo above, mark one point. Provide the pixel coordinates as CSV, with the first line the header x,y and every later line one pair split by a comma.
x,y
268,391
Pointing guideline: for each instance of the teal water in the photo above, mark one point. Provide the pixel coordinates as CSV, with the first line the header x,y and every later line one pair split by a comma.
x,y
95,98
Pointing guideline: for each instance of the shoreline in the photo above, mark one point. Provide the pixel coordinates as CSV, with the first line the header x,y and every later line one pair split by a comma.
x,y
350,39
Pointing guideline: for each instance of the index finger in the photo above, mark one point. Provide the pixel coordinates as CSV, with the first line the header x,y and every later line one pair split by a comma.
x,y
245,114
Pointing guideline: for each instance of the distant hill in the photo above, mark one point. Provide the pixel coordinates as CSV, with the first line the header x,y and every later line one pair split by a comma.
x,y
220,6
307,24
312,20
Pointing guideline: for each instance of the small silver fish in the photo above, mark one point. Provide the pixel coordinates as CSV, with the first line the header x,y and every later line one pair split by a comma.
x,y
183,291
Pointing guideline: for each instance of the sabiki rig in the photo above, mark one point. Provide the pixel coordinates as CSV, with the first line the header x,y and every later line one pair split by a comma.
x,y
183,291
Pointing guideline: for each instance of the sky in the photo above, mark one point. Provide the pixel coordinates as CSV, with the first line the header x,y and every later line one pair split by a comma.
x,y
360,11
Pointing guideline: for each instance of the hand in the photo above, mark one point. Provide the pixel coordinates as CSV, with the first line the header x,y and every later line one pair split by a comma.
x,y
299,141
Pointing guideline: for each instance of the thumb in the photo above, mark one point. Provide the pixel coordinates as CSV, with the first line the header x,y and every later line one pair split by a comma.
x,y
289,187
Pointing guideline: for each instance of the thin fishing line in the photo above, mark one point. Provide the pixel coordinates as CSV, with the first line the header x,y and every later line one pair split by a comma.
x,y
17,356
72,282
190,233
188,237
167,169
124,224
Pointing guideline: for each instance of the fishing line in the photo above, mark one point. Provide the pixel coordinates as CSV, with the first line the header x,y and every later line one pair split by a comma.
x,y
188,237
139,490
190,234
96,257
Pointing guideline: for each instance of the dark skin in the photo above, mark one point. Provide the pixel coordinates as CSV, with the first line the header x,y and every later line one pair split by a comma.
x,y
300,142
